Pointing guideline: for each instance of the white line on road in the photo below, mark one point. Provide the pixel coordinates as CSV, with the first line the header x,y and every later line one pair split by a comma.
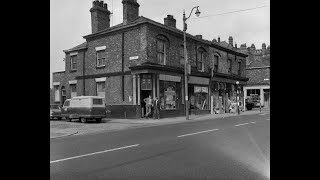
x,y
109,150
197,132
264,114
244,124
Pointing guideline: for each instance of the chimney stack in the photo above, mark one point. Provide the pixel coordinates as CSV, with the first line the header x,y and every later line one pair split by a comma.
x,y
130,10
199,36
218,39
170,21
231,41
235,44
100,16
264,48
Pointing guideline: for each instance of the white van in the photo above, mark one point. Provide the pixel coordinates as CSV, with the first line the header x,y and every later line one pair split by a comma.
x,y
84,108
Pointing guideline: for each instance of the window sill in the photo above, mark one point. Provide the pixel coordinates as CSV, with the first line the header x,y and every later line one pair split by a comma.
x,y
100,67
72,70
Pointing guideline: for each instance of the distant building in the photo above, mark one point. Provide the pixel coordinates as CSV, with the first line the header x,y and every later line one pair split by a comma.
x,y
139,57
258,72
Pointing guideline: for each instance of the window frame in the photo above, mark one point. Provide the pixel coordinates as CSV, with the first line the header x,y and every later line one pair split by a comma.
x,y
216,64
201,51
104,88
229,66
102,58
73,62
239,68
163,52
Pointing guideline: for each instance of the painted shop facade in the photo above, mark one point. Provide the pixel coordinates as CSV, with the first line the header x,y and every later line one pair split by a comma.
x,y
128,62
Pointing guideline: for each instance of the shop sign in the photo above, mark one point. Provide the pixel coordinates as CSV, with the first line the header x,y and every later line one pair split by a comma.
x,y
198,80
133,57
197,89
164,77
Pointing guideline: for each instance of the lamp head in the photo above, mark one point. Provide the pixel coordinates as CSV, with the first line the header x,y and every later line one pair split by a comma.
x,y
197,12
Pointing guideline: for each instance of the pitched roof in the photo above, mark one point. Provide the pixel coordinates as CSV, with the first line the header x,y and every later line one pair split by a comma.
x,y
81,46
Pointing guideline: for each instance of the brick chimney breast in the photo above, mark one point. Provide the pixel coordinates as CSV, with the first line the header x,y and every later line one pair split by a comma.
x,y
100,16
130,10
170,21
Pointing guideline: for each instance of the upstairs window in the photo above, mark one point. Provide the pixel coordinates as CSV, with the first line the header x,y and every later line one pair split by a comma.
x,y
239,69
101,56
215,63
229,66
200,59
161,51
73,62
101,88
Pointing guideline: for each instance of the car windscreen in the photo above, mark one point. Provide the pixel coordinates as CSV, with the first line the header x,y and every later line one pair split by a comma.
x,y
66,103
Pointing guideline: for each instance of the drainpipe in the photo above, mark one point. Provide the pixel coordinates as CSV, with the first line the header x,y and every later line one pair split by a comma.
x,y
83,73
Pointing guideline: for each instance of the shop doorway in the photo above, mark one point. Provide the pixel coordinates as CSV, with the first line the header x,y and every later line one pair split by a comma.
x,y
144,94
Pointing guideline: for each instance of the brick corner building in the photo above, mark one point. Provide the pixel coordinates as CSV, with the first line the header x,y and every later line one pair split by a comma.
x,y
139,57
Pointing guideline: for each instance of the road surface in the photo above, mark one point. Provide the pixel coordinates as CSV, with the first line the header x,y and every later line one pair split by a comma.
x,y
235,147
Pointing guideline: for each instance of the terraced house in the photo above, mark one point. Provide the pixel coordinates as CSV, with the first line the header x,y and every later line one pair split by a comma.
x,y
139,57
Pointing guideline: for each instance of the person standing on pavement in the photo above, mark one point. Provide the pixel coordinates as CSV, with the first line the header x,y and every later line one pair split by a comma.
x,y
148,102
156,108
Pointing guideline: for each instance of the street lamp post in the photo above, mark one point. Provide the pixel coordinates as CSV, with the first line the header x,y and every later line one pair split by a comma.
x,y
186,59
237,97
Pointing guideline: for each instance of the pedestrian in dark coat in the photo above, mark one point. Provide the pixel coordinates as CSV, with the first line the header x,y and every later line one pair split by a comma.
x,y
156,108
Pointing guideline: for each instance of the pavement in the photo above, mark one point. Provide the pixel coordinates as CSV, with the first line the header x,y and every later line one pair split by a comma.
x,y
62,128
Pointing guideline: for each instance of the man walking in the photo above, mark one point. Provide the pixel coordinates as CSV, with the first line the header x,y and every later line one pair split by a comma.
x,y
156,107
148,102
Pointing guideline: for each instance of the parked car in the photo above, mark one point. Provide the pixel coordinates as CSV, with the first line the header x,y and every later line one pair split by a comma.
x,y
55,111
84,108
252,101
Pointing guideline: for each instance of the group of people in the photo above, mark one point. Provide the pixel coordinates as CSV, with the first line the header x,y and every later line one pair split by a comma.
x,y
152,104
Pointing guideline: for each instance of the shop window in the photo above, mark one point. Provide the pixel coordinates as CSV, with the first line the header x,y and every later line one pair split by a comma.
x,y
146,82
199,97
97,101
168,95
101,87
73,62
253,91
73,90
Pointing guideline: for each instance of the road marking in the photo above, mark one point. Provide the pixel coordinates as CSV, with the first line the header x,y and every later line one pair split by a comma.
x,y
244,124
263,114
198,132
109,150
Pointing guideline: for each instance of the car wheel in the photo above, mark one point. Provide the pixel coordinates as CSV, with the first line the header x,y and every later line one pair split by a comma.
x,y
83,120
98,120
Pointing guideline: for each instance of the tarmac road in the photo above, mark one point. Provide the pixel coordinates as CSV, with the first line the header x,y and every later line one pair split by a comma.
x,y
236,147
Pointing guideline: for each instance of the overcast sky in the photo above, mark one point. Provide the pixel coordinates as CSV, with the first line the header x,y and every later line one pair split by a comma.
x,y
70,20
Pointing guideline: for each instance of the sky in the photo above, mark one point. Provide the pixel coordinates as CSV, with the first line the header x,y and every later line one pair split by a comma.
x,y
70,20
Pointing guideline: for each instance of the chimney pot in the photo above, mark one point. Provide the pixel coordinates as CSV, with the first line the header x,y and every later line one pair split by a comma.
x,y
218,39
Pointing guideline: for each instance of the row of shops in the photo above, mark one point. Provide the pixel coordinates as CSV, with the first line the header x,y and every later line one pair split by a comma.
x,y
206,94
